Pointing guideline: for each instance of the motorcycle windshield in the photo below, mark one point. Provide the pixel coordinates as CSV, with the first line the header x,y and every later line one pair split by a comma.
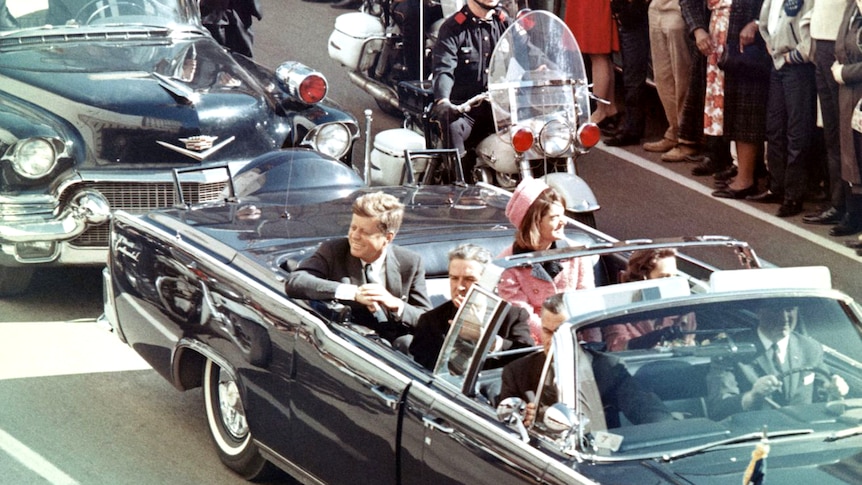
x,y
537,74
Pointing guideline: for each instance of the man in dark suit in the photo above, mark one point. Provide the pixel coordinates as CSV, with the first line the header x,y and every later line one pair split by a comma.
x,y
769,377
466,263
382,283
616,388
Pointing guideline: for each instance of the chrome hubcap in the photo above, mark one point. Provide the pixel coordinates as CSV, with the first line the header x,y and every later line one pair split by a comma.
x,y
230,404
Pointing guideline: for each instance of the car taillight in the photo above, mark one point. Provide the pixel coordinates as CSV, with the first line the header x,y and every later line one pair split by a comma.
x,y
312,89
589,135
522,140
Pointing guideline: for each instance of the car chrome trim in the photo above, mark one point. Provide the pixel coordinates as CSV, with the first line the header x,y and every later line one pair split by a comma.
x,y
87,207
288,466
194,153
109,311
747,256
177,89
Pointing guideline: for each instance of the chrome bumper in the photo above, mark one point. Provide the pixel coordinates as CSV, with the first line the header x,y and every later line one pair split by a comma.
x,y
87,207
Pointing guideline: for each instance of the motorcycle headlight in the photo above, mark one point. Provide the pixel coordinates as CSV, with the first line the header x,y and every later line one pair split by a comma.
x,y
331,139
33,158
555,138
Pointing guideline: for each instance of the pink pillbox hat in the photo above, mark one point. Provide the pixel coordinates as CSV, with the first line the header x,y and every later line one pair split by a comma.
x,y
525,194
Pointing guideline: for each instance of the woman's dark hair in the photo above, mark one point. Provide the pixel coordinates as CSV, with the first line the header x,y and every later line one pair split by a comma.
x,y
527,237
643,261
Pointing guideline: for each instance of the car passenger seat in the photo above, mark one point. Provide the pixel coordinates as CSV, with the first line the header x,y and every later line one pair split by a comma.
x,y
679,384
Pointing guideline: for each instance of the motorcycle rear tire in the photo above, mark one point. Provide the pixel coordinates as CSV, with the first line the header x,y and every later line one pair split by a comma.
x,y
586,218
389,109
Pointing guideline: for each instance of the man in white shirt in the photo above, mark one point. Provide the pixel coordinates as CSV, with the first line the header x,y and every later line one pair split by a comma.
x,y
781,374
382,283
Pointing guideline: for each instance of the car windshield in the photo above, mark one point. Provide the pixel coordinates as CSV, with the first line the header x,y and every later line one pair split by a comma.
x,y
20,17
716,378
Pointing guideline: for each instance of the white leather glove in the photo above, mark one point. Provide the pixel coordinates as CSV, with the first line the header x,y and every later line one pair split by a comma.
x,y
839,385
836,72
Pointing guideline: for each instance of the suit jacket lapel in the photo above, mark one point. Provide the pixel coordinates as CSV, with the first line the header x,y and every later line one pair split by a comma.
x,y
763,362
393,273
354,270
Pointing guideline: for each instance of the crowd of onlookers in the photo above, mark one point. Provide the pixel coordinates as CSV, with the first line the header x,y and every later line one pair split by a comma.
x,y
773,79
761,94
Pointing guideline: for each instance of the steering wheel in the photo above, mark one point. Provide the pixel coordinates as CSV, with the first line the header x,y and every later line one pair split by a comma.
x,y
107,9
816,370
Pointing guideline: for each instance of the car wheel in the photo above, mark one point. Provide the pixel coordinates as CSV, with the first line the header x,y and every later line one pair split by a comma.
x,y
14,280
228,426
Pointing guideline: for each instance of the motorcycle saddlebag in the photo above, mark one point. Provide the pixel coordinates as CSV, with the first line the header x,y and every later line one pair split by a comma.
x,y
388,156
414,96
351,37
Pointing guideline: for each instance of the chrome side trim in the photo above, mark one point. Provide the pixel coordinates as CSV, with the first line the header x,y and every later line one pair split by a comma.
x,y
289,467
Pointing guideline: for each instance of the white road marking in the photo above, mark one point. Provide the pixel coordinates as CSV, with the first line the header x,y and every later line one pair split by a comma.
x,y
34,349
34,461
651,166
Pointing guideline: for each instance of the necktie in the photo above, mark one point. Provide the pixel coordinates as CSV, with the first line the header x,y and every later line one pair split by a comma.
x,y
371,277
776,359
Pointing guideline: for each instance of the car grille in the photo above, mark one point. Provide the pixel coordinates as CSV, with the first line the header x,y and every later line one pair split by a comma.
x,y
139,198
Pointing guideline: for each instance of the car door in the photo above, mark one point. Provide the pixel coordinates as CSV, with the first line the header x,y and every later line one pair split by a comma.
x,y
345,400
454,430
463,443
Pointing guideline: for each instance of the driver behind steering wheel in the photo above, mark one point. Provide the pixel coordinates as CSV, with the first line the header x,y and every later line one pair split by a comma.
x,y
784,372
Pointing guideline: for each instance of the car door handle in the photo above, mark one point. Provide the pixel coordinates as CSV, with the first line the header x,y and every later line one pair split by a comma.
x,y
390,400
436,423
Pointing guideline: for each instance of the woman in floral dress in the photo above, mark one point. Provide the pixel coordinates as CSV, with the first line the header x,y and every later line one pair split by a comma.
x,y
735,105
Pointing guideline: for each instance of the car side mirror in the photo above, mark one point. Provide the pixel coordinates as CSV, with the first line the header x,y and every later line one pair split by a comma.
x,y
509,412
559,418
510,408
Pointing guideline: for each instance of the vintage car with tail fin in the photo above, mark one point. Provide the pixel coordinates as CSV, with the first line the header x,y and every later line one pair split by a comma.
x,y
100,99
198,291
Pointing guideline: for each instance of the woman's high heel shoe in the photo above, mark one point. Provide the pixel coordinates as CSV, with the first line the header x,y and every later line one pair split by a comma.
x,y
609,124
728,193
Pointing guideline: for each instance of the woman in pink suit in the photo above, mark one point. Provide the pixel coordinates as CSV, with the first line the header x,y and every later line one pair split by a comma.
x,y
536,210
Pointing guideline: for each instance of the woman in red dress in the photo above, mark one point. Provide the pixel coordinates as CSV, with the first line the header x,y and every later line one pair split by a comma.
x,y
595,30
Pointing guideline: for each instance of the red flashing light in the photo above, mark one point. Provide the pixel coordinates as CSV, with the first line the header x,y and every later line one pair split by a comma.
x,y
522,140
312,89
589,135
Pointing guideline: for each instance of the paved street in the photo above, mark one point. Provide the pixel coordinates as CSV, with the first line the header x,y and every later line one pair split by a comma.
x,y
80,407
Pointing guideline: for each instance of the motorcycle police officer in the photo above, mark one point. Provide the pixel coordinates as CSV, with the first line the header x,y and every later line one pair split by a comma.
x,y
460,71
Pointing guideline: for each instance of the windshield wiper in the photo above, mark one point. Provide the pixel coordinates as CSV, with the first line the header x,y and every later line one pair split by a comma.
x,y
844,433
755,436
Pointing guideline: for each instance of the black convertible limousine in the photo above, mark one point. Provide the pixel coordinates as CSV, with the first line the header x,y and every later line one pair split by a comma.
x,y
198,291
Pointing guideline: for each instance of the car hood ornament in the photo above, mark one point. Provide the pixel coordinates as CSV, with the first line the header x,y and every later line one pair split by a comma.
x,y
197,147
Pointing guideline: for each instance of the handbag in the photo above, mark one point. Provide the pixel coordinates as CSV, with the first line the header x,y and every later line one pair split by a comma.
x,y
752,63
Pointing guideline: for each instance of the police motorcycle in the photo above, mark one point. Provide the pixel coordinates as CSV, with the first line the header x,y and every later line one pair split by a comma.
x,y
540,98
371,44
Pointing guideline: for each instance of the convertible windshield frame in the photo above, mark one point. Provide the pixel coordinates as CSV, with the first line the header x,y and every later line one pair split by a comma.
x,y
469,340
59,18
